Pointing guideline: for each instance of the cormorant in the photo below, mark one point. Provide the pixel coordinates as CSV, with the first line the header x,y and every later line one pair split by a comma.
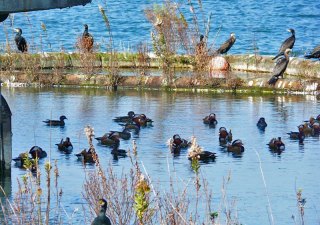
x,y
224,48
280,67
20,41
102,219
314,54
200,46
288,43
87,39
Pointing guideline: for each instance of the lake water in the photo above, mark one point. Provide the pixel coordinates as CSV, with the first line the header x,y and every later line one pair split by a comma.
x,y
297,167
261,23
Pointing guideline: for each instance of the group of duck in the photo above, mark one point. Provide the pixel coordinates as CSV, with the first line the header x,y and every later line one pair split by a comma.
x,y
310,127
131,123
176,143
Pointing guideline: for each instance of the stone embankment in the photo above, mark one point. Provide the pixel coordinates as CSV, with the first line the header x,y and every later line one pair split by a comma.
x,y
304,75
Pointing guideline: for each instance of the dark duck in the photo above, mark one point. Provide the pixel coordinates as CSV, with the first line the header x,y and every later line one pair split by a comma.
x,y
262,124
124,134
315,54
125,119
287,44
59,122
236,147
276,144
224,135
37,152
211,119
177,143
101,218
298,135
87,40
280,67
196,152
25,162
85,156
20,41
116,151
108,139
65,146
225,47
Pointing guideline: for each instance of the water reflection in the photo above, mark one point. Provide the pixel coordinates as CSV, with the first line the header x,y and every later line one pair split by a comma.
x,y
175,112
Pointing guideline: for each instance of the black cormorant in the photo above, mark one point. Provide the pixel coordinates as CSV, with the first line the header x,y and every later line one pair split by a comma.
x,y
224,48
20,41
288,43
87,39
102,219
280,67
314,54
201,46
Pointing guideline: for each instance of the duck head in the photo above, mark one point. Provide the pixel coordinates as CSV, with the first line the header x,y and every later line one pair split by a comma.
x,y
62,118
131,114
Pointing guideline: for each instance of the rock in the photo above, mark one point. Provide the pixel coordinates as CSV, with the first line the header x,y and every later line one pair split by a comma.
x,y
219,63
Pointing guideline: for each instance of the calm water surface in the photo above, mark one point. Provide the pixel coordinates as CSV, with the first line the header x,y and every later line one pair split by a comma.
x,y
260,23
296,167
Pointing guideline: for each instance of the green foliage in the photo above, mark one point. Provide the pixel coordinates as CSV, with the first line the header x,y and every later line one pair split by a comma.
x,y
195,165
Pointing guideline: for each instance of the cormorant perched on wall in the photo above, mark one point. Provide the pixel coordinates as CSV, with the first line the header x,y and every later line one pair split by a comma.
x,y
280,67
288,43
201,46
86,39
20,41
314,54
224,48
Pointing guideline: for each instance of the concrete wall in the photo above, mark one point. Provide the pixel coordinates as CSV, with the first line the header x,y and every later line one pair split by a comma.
x,y
10,6
5,135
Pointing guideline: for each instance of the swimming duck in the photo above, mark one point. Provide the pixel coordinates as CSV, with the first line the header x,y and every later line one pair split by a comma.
x,y
37,152
262,124
224,135
85,156
316,129
236,147
211,119
65,146
132,127
108,139
24,161
101,218
276,144
124,134
195,151
298,135
204,155
177,143
115,150
56,122
125,119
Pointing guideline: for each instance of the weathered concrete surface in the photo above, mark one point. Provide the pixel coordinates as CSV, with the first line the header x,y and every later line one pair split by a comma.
x,y
249,63
5,135
11,6
265,64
